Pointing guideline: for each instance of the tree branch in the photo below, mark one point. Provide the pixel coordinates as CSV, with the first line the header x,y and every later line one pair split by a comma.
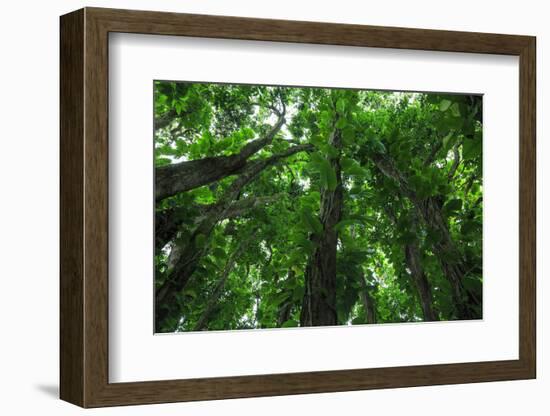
x,y
218,290
165,119
431,157
184,176
193,252
368,302
456,161
169,221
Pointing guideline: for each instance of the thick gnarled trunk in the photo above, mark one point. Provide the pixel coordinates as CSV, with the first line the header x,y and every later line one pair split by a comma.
x,y
189,256
412,259
430,210
449,257
414,265
184,176
319,303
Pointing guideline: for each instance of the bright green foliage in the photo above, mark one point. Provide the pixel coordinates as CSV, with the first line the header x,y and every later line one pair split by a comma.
x,y
404,156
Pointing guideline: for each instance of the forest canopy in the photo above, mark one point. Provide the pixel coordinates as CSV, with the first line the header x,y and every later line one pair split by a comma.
x,y
291,207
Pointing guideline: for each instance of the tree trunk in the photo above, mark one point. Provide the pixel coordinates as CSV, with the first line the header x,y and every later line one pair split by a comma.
x,y
285,309
184,176
449,257
283,313
412,259
191,254
319,303
430,210
218,290
169,221
368,303
414,265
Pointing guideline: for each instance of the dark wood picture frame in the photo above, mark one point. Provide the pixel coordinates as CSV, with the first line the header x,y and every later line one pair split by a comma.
x,y
84,207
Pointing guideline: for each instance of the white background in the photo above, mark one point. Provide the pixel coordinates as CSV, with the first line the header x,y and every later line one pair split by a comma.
x,y
29,219
136,355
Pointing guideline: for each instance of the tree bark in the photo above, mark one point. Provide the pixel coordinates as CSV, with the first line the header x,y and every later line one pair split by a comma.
x,y
319,303
414,265
430,210
412,259
164,120
169,221
368,303
285,309
184,176
218,290
191,254
283,313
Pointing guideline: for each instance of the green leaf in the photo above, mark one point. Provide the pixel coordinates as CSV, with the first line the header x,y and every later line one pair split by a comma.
x,y
291,323
472,284
318,141
348,135
341,123
200,240
407,237
218,252
298,293
444,105
471,148
453,205
455,110
191,293
351,167
312,222
347,163
345,223
306,244
332,151
468,227
378,146
317,159
280,298
325,117
332,181
357,170
359,256
446,140
341,106
328,176
419,184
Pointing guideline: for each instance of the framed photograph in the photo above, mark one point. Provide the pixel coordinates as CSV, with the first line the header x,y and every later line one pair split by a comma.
x,y
257,207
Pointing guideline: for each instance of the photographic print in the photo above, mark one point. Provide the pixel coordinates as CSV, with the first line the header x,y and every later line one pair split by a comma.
x,y
374,184
284,206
